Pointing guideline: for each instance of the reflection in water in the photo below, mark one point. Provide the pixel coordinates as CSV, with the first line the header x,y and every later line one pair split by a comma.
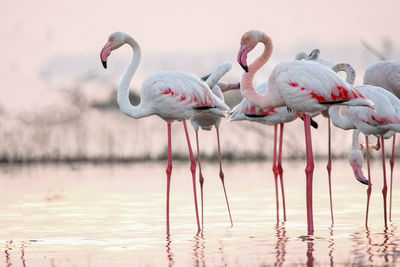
x,y
6,251
198,250
129,229
331,245
170,255
310,252
379,252
280,246
23,253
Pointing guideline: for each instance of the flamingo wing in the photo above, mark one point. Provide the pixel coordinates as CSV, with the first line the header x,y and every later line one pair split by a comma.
x,y
308,86
179,92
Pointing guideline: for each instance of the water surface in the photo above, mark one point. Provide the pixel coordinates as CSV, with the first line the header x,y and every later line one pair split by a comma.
x,y
114,215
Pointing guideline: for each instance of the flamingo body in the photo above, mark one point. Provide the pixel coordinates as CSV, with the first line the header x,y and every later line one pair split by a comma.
x,y
270,116
385,74
385,117
310,87
176,95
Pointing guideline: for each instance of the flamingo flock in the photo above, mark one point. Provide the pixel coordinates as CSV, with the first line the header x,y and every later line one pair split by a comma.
x,y
301,88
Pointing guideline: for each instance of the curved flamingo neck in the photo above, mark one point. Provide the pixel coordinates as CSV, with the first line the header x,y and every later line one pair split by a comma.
x,y
247,87
350,72
338,120
123,90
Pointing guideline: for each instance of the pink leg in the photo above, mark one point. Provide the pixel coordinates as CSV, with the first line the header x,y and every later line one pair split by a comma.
x,y
193,170
275,171
391,175
222,176
309,174
169,170
329,166
201,179
369,182
384,189
280,170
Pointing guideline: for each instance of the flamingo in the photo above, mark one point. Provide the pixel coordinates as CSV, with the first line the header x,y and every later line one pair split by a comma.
x,y
206,121
172,95
303,86
273,116
386,74
377,122
350,78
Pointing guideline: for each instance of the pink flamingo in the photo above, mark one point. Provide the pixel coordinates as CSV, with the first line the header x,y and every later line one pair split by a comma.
x,y
273,116
350,78
386,74
303,86
172,95
378,122
206,121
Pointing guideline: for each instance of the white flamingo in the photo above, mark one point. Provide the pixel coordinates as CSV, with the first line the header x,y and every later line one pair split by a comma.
x,y
386,74
172,95
350,78
377,122
303,86
273,116
206,121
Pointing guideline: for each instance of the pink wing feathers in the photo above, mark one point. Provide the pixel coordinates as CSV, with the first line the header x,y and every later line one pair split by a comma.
x,y
310,86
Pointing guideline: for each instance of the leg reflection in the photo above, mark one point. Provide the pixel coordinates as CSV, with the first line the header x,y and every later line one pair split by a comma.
x,y
198,251
331,246
310,252
170,255
280,247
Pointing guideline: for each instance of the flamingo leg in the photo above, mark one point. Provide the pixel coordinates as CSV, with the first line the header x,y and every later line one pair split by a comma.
x,y
391,175
329,166
275,171
369,182
222,176
384,189
280,170
201,179
169,170
309,175
193,170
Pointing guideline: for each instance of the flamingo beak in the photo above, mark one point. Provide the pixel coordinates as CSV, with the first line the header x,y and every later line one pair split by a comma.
x,y
105,52
242,57
359,174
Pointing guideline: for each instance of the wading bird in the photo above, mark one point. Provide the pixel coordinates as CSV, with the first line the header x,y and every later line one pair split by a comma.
x,y
303,86
172,95
378,122
206,121
386,74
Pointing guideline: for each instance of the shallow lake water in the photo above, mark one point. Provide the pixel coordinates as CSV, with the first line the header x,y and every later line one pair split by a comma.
x,y
114,215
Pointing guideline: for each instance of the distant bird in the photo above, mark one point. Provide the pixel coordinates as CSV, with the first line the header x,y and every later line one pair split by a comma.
x,y
378,122
386,74
206,121
172,95
303,86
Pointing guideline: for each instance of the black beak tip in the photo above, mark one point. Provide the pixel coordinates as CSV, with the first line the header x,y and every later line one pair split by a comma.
x,y
246,69
364,182
104,64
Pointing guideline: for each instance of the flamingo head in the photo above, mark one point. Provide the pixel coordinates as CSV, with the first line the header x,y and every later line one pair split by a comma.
x,y
249,40
314,54
115,41
356,162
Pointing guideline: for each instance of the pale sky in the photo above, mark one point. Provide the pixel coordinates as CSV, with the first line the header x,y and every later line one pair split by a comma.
x,y
34,32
